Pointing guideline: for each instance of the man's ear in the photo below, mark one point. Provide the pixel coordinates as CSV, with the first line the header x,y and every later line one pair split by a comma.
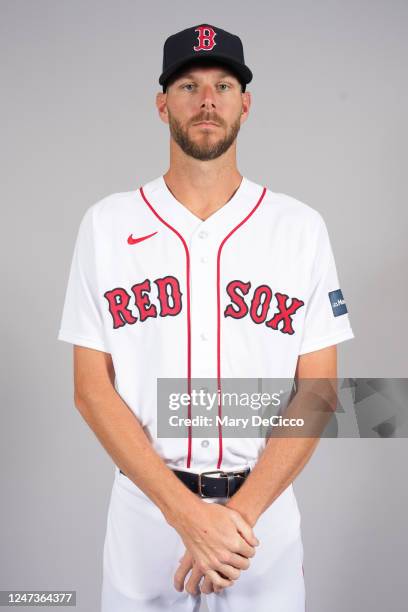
x,y
161,104
246,105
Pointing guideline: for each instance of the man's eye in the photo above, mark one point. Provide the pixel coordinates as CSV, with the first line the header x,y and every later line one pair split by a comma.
x,y
191,86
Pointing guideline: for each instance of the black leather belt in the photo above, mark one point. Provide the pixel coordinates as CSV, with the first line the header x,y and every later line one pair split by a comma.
x,y
216,483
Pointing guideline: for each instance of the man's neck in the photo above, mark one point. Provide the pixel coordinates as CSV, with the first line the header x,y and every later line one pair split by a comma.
x,y
203,187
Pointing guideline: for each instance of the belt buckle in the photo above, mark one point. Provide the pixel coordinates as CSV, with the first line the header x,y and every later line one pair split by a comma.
x,y
201,494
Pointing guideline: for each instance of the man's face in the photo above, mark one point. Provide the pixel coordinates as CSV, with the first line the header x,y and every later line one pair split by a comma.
x,y
205,110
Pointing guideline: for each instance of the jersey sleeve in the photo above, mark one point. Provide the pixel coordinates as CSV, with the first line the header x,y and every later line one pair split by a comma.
x,y
326,319
82,321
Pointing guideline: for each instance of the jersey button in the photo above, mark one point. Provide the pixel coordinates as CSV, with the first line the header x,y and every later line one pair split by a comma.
x,y
204,259
203,336
202,234
205,443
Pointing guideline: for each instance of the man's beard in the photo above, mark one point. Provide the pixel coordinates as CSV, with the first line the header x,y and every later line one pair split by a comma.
x,y
204,151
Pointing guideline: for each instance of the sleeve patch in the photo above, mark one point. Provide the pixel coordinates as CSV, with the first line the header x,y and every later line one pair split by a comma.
x,y
337,302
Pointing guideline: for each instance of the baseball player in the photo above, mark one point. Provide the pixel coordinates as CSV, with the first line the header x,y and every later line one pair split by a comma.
x,y
200,273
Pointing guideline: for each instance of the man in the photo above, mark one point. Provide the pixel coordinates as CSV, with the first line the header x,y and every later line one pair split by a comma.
x,y
200,274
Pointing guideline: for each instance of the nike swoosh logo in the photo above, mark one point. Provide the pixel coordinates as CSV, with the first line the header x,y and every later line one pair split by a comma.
x,y
132,240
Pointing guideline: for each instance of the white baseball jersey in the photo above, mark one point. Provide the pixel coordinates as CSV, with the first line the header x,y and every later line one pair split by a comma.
x,y
241,294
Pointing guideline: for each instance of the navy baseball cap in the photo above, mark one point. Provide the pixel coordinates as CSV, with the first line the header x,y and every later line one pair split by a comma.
x,y
204,42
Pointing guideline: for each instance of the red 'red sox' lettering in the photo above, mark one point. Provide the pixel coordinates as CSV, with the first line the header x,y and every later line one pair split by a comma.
x,y
237,299
162,284
260,304
169,303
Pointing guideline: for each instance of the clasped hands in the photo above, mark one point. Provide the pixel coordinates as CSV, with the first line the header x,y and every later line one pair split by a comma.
x,y
219,544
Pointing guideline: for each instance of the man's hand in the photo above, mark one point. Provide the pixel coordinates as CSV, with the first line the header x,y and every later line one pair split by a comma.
x,y
187,564
219,544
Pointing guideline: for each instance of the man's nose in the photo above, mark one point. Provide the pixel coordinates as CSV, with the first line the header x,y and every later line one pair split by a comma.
x,y
208,98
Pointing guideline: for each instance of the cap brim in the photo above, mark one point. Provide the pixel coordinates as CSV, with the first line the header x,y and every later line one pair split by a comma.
x,y
242,71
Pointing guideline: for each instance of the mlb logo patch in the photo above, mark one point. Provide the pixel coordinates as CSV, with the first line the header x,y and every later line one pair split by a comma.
x,y
337,302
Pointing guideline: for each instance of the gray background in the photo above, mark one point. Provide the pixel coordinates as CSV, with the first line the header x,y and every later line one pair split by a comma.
x,y
328,126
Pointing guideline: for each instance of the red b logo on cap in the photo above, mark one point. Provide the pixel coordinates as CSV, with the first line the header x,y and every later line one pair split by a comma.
x,y
206,40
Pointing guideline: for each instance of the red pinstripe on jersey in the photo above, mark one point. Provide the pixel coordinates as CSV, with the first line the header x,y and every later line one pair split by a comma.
x,y
188,315
219,321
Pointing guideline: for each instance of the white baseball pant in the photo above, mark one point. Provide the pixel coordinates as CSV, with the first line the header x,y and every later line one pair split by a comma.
x,y
142,551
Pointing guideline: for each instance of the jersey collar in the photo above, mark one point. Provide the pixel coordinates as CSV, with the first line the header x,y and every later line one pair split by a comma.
x,y
186,222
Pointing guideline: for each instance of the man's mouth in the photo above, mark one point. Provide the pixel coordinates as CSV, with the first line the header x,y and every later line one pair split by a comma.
x,y
207,123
